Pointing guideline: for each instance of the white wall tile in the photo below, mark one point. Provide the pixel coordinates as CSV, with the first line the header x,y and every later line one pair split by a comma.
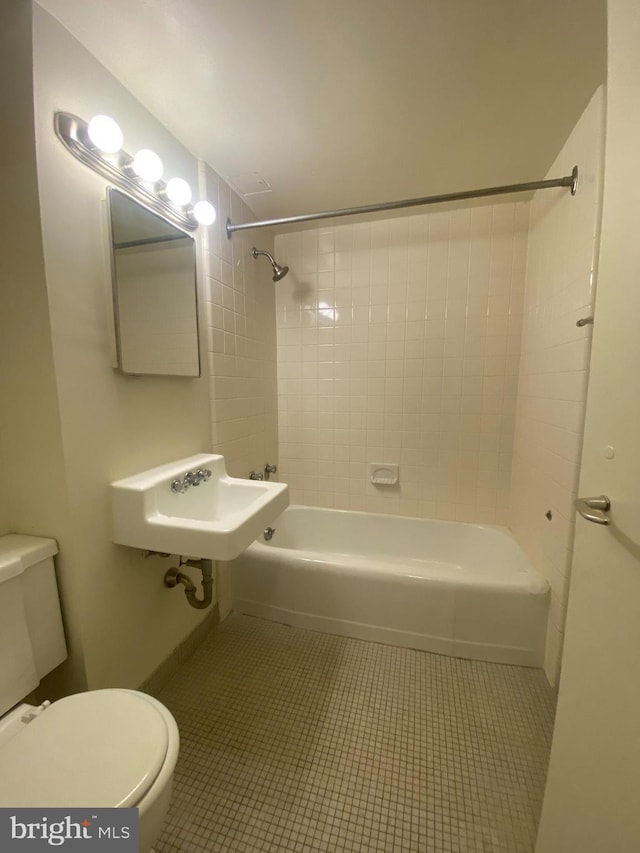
x,y
552,387
413,353
241,339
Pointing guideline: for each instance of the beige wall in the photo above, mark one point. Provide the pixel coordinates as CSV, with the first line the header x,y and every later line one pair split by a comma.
x,y
398,342
69,423
111,425
5,521
561,273
32,472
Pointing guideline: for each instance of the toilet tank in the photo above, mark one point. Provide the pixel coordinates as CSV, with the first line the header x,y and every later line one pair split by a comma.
x,y
31,634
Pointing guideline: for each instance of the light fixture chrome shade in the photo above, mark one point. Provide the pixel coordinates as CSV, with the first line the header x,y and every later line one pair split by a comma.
x,y
139,176
278,271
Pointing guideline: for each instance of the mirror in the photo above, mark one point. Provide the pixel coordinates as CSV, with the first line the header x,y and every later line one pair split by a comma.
x,y
154,292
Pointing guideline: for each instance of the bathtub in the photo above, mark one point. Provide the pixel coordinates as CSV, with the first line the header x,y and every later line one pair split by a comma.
x,y
465,590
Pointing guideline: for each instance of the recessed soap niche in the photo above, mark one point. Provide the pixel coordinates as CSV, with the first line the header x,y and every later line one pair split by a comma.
x,y
383,473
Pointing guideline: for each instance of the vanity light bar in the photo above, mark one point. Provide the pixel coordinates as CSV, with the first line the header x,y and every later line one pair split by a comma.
x,y
116,167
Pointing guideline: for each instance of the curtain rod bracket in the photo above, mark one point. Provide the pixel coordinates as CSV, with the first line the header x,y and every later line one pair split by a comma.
x,y
570,181
574,180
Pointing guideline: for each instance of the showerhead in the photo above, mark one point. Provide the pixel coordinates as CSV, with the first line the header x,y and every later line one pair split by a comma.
x,y
278,271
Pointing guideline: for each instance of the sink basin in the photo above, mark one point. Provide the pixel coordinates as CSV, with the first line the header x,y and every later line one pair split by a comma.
x,y
218,518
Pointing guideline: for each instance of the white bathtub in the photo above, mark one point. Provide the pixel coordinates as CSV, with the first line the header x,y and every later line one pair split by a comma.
x,y
466,590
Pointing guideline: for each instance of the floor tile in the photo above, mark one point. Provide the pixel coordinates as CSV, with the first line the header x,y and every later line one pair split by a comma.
x,y
292,740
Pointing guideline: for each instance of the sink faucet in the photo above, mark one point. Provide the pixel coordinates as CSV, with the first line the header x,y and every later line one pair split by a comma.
x,y
194,478
191,478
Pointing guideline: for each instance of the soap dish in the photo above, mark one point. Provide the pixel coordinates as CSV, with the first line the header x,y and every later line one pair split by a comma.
x,y
383,473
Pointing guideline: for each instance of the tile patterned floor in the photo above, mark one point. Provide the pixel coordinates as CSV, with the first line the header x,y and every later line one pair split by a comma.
x,y
298,741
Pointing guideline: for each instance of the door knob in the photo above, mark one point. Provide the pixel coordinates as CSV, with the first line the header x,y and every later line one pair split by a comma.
x,y
594,509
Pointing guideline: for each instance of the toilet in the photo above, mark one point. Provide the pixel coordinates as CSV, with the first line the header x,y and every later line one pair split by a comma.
x,y
103,748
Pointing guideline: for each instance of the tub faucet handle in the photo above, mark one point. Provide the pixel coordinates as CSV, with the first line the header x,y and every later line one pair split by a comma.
x,y
269,470
256,475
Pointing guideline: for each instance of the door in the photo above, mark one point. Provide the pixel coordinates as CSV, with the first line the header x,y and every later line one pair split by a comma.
x,y
592,800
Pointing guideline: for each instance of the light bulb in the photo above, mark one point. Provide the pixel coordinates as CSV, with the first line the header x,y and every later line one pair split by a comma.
x,y
105,134
147,165
204,212
178,191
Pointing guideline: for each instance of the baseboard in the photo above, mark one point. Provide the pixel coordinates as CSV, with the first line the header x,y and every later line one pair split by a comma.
x,y
179,655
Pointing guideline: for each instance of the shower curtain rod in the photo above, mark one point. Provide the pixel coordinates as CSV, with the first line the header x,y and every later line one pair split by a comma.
x,y
568,181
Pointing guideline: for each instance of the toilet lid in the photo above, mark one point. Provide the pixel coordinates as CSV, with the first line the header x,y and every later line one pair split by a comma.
x,y
103,748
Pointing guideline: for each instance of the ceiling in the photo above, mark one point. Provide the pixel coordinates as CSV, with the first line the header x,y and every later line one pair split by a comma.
x,y
337,103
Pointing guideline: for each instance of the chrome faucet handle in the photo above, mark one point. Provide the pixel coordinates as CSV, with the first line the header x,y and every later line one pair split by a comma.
x,y
203,474
179,487
191,478
269,470
256,475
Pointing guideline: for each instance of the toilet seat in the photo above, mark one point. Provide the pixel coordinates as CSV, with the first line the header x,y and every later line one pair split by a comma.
x,y
100,748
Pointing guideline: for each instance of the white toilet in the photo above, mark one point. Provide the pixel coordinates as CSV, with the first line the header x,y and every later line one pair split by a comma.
x,y
103,748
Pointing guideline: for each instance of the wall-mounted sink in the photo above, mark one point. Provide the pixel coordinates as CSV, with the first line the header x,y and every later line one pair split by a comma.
x,y
159,510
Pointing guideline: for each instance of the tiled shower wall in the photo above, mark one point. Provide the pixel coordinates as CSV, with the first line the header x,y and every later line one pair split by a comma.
x,y
561,270
399,342
239,307
241,337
